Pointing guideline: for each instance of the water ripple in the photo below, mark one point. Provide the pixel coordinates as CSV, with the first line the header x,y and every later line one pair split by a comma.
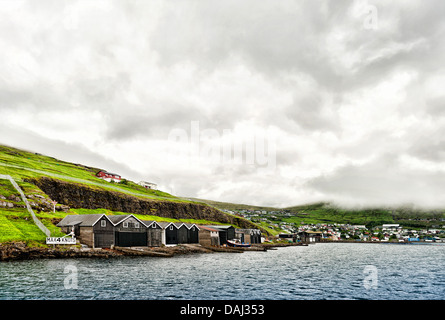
x,y
321,271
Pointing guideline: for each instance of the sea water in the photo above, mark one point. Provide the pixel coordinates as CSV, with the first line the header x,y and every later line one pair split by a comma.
x,y
320,271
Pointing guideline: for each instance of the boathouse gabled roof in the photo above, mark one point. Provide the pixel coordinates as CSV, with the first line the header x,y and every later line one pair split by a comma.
x,y
149,223
165,225
179,224
117,219
191,225
83,220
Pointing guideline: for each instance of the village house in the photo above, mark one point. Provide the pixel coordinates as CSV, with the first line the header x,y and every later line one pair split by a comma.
x,y
390,227
148,185
108,176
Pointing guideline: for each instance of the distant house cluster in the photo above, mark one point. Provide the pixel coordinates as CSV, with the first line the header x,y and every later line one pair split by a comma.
x,y
312,233
105,231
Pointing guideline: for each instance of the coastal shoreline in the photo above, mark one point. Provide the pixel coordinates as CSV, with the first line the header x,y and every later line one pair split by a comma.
x,y
384,242
15,251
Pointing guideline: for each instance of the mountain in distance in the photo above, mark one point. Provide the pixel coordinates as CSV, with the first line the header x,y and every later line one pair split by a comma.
x,y
328,213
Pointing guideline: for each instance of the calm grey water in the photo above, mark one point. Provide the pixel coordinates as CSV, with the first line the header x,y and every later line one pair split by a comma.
x,y
321,271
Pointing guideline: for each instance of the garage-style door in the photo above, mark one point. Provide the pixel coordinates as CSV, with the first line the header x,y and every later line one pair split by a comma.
x,y
131,239
103,240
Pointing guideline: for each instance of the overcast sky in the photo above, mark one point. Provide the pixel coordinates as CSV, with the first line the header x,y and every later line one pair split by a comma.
x,y
339,101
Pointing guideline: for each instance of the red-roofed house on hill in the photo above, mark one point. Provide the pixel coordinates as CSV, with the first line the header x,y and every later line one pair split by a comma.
x,y
108,176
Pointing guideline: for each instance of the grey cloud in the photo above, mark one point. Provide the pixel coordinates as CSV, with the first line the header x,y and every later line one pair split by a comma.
x,y
309,113
436,106
428,148
277,38
121,49
149,122
421,20
268,35
417,34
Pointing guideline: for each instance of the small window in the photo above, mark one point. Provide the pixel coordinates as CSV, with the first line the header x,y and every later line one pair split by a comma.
x,y
193,228
171,227
125,224
153,225
103,223
136,225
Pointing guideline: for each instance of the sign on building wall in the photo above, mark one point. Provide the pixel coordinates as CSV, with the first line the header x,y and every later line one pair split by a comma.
x,y
58,240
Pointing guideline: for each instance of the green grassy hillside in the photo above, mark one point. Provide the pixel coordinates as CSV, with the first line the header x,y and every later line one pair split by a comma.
x,y
16,223
22,164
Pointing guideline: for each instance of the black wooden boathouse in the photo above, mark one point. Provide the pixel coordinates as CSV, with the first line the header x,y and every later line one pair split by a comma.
x,y
94,230
154,233
182,232
102,231
129,231
170,233
192,233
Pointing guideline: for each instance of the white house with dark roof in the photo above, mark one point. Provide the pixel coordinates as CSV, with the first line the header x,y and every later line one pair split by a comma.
x,y
148,185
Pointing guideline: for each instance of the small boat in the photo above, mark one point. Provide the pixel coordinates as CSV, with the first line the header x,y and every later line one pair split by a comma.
x,y
237,243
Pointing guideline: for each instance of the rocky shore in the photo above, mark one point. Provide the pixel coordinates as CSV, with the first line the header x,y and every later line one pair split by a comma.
x,y
20,251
